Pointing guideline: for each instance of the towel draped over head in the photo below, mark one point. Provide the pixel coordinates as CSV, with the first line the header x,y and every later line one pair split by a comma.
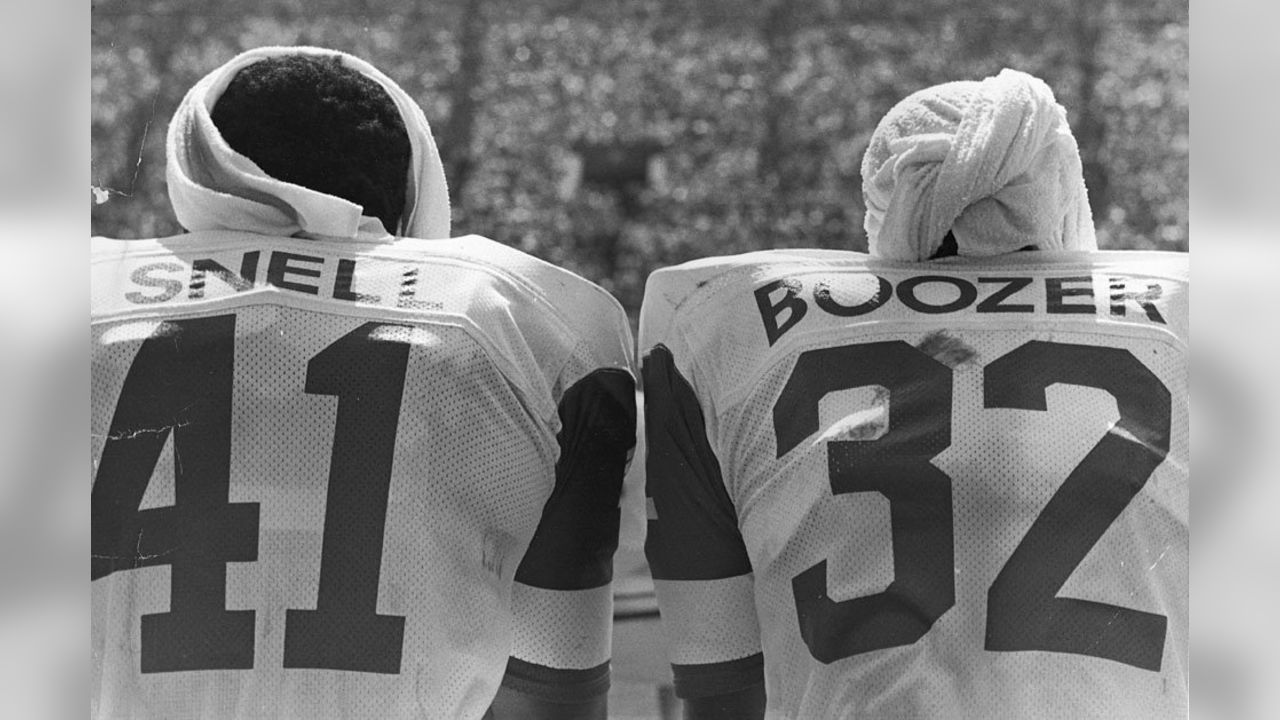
x,y
213,187
992,161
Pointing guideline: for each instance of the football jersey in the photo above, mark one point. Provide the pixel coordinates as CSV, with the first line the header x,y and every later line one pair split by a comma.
x,y
955,489
349,480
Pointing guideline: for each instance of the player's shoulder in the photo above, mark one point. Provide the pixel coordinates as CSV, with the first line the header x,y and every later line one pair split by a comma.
x,y
204,240
1159,263
570,293
105,249
1147,263
682,293
677,285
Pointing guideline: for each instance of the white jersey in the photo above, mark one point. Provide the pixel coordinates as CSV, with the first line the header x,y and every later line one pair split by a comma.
x,y
955,489
349,480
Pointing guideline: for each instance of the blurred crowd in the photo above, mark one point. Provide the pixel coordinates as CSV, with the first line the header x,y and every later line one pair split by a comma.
x,y
617,137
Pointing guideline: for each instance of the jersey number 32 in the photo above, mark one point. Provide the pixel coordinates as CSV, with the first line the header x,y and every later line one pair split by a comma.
x,y
1024,611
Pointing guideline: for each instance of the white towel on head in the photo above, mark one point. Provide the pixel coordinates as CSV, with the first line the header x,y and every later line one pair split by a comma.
x,y
992,161
213,187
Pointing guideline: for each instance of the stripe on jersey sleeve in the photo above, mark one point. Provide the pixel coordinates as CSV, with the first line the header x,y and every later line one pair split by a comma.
x,y
708,621
693,526
561,628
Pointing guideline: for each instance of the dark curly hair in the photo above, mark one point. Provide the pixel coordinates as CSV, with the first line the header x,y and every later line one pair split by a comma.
x,y
311,121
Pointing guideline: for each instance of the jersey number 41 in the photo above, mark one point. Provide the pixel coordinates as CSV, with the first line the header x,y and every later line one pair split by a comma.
x,y
180,382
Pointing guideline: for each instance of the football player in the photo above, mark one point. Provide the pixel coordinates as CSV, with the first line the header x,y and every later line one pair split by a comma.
x,y
343,465
944,480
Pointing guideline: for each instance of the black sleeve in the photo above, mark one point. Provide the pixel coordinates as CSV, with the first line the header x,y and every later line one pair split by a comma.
x,y
693,526
577,536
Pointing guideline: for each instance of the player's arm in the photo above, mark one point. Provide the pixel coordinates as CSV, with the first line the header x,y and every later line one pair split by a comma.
x,y
701,571
562,600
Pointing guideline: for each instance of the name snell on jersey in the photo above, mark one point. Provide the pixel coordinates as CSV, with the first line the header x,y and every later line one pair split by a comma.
x,y
302,273
784,302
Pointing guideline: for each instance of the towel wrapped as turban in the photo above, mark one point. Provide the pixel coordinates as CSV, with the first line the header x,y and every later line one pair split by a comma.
x,y
994,162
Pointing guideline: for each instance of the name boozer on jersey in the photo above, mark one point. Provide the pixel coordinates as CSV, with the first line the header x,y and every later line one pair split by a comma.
x,y
349,480
901,490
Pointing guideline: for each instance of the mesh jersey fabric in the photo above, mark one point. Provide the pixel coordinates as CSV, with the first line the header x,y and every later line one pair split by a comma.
x,y
318,469
946,490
